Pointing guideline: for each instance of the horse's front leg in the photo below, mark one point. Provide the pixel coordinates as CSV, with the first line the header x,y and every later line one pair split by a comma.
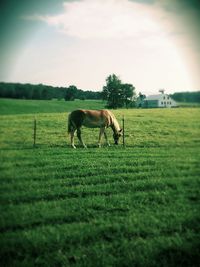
x,y
101,132
79,137
105,135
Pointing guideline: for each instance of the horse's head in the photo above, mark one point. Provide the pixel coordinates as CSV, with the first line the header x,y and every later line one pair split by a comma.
x,y
116,136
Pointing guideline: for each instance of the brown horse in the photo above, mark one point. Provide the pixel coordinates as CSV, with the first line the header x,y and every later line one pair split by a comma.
x,y
93,119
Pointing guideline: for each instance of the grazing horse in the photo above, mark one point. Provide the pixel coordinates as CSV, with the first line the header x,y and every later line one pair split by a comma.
x,y
93,119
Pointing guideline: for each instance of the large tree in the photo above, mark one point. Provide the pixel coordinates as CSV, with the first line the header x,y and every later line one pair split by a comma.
x,y
116,93
128,92
71,93
112,91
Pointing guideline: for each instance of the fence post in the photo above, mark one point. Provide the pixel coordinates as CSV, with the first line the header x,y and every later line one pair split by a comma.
x,y
34,132
123,133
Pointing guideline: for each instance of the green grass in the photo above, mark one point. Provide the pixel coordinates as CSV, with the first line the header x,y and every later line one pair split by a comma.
x,y
188,104
133,206
19,106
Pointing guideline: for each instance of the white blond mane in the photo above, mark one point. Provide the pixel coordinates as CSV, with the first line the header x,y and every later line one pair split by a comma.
x,y
115,122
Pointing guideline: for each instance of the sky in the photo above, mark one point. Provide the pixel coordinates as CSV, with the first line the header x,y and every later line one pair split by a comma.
x,y
152,44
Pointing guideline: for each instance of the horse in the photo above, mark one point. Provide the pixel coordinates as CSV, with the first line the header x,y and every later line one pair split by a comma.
x,y
93,119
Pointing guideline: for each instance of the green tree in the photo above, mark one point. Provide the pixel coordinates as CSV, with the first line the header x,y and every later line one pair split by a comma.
x,y
116,93
112,91
46,93
36,93
128,92
11,91
190,97
71,92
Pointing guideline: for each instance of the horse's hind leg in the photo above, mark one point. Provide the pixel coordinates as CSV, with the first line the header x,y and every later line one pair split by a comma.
x,y
80,138
72,138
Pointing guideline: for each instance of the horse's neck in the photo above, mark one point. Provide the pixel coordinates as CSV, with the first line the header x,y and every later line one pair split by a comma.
x,y
115,126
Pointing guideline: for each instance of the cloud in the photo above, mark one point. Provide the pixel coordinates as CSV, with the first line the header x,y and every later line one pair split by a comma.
x,y
130,38
104,19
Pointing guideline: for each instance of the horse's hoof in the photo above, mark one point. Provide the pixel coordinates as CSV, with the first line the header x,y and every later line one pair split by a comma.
x,y
74,147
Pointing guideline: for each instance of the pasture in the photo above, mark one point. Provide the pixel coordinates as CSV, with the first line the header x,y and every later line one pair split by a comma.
x,y
109,206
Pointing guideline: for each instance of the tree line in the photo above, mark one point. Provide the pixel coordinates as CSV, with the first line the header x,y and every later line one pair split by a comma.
x,y
189,97
116,93
45,92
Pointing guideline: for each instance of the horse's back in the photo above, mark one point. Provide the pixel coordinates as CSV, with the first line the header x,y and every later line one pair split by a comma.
x,y
91,118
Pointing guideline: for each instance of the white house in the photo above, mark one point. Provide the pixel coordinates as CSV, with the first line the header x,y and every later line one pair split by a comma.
x,y
157,101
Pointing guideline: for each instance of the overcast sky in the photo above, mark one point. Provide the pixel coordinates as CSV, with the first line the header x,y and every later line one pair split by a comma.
x,y
151,44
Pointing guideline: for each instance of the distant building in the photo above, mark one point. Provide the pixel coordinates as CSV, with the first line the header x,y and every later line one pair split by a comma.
x,y
156,101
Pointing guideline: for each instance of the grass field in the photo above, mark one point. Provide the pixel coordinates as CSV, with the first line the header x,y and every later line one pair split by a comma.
x,y
19,106
132,206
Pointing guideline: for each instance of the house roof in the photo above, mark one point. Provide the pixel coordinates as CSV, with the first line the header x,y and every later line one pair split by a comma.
x,y
154,97
159,97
